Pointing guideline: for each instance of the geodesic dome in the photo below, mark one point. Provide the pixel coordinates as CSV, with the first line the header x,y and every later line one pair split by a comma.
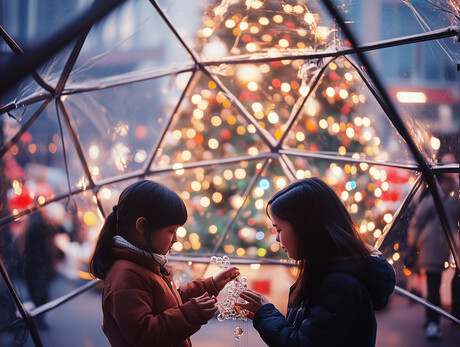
x,y
225,102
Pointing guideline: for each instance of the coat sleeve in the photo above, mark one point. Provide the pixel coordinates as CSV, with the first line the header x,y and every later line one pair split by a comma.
x,y
132,313
196,288
326,322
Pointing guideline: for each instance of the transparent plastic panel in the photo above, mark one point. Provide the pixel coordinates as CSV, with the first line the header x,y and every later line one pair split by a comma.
x,y
207,127
130,42
371,193
251,28
22,92
252,234
379,20
268,91
35,164
28,22
342,116
118,128
213,195
416,242
424,87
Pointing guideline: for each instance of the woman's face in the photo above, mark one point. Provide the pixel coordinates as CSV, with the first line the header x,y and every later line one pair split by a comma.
x,y
285,235
162,240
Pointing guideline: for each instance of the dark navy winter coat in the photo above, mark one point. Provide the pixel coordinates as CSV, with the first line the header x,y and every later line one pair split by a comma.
x,y
340,311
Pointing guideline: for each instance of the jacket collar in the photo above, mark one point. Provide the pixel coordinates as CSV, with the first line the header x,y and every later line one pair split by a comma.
x,y
132,256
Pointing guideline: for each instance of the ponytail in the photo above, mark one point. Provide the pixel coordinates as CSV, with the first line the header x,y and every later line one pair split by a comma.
x,y
103,258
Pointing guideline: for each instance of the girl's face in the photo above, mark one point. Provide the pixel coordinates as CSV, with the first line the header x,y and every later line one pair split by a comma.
x,y
161,240
285,235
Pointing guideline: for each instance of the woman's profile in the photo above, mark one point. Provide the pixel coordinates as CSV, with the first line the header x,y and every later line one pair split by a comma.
x,y
341,281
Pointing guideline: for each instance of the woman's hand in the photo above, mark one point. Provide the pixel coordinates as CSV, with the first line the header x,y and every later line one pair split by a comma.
x,y
206,305
225,276
254,301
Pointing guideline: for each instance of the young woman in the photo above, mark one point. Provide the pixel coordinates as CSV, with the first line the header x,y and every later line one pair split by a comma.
x,y
140,303
340,283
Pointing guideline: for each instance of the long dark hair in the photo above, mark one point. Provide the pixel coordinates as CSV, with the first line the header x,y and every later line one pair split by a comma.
x,y
325,231
159,205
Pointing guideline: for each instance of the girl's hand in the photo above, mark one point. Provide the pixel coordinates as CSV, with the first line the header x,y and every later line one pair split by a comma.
x,y
206,305
225,276
254,301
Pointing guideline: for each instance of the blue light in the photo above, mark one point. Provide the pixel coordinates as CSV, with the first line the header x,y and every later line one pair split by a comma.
x,y
350,185
260,235
264,184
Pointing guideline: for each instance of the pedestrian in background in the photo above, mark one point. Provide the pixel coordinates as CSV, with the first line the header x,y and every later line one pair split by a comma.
x,y
426,234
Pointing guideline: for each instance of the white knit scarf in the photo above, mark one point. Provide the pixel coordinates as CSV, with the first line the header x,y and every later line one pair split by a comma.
x,y
160,259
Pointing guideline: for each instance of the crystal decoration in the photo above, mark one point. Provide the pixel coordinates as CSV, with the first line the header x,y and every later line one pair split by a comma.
x,y
228,307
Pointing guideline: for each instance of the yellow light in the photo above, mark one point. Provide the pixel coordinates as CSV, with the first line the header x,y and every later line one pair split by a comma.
x,y
354,208
41,200
411,97
308,18
217,197
191,133
435,143
366,121
251,129
251,47
358,121
323,124
281,182
378,192
283,43
253,151
229,249
343,93
274,247
244,26
240,173
198,114
259,204
350,132
207,32
253,86
257,107
186,155
196,99
178,246
228,174
240,252
342,150
348,76
89,218
255,266
264,21
205,201
388,218
273,117
377,233
181,231
362,229
335,128
278,19
396,256
177,134
332,66
212,229
216,121
178,169
196,186
300,136
385,186
285,87
370,226
344,195
230,23
213,143
194,237
93,151
261,252
330,92
363,166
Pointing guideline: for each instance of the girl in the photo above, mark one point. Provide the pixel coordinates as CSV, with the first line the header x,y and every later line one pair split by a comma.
x,y
341,281
141,306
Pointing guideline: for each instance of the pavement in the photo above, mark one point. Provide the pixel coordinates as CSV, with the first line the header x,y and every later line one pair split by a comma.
x,y
76,323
